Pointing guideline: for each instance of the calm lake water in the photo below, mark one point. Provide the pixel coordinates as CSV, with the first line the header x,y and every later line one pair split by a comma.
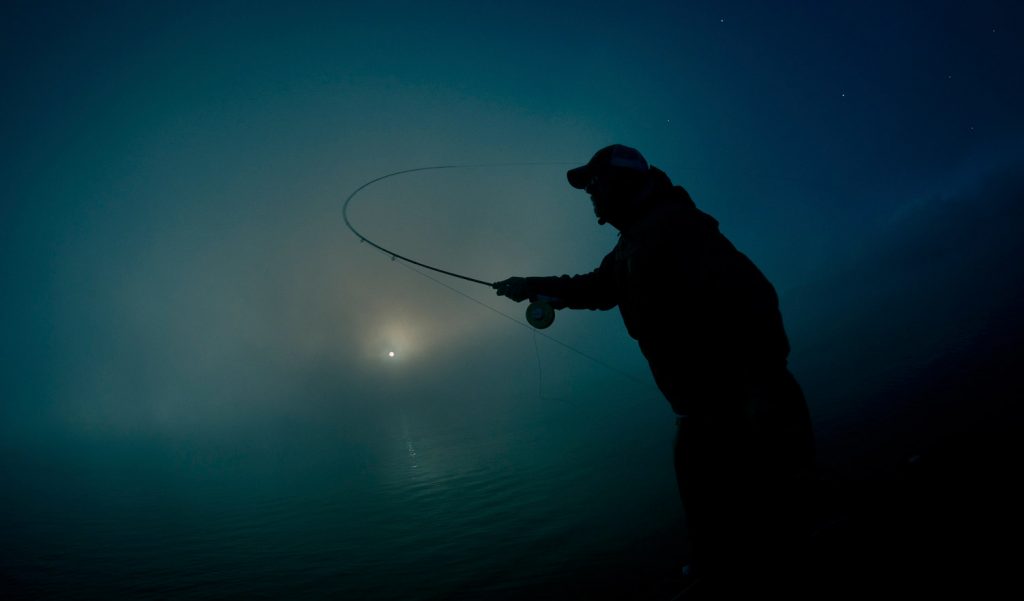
x,y
396,503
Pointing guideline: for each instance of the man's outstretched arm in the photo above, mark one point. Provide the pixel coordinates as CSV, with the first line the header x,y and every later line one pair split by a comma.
x,y
594,290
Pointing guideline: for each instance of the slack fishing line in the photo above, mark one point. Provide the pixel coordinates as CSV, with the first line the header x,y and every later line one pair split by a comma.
x,y
539,314
535,331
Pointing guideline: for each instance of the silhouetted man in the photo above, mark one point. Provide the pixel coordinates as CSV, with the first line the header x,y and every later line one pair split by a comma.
x,y
708,322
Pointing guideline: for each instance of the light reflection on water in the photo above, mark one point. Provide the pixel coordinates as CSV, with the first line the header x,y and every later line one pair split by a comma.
x,y
458,510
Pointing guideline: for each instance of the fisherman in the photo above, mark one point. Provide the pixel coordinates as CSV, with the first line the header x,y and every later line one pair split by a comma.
x,y
708,322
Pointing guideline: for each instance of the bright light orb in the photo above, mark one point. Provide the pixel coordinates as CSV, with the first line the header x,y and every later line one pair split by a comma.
x,y
391,354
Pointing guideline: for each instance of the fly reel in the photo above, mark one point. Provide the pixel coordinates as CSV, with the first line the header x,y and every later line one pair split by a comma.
x,y
540,314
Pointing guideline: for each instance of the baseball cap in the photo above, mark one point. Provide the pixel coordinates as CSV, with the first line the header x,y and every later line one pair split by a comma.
x,y
615,156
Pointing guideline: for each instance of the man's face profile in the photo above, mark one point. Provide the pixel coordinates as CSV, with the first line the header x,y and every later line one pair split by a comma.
x,y
598,197
609,192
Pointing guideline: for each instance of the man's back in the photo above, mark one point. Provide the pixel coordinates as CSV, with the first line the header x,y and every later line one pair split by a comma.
x,y
704,315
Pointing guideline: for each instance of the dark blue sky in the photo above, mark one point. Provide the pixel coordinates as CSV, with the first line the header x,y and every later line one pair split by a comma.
x,y
171,236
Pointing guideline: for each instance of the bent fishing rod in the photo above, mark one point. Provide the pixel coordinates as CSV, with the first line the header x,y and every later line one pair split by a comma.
x,y
539,313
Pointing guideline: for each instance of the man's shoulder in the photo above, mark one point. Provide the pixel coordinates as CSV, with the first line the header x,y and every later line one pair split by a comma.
x,y
670,217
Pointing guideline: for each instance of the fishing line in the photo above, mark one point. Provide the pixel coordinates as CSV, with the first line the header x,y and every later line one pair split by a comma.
x,y
535,331
540,371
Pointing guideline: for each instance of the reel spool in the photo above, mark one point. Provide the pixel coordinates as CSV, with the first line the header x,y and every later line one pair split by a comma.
x,y
540,314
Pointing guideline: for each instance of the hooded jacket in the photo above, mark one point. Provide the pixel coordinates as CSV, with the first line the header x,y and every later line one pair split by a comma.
x,y
705,317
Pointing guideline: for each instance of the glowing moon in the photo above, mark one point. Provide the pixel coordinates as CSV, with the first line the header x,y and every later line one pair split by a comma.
x,y
391,353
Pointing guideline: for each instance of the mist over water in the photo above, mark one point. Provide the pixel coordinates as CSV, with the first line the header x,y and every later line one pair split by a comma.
x,y
460,494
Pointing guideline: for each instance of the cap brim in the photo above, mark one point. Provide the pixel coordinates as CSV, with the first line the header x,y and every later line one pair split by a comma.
x,y
579,177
